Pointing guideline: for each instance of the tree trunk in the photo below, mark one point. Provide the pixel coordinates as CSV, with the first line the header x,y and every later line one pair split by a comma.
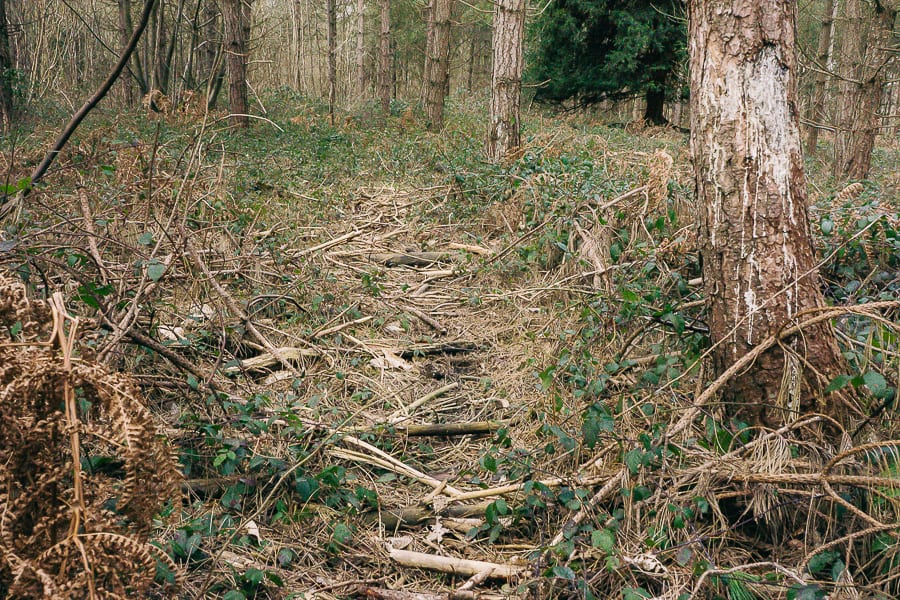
x,y
759,268
331,42
361,48
866,52
817,105
237,33
384,66
506,78
437,71
126,28
212,59
6,65
656,101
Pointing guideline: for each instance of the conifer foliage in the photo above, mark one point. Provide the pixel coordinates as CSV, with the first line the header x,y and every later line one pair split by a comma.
x,y
593,50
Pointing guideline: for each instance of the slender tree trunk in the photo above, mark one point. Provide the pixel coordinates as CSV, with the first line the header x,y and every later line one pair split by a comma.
x,y
237,33
361,48
759,268
655,103
384,67
429,42
212,61
823,55
161,70
471,71
6,65
866,51
124,36
506,78
437,66
331,36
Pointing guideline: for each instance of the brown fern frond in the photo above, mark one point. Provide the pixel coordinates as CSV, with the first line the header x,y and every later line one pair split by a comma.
x,y
58,537
850,192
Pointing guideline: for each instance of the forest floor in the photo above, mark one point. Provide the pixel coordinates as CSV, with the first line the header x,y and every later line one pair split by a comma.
x,y
379,357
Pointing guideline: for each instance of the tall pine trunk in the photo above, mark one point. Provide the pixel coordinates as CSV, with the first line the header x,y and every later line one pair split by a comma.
x,y
361,48
384,65
506,78
865,52
823,54
331,42
236,14
759,267
6,65
437,65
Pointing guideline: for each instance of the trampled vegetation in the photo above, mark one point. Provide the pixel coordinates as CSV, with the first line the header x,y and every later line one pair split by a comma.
x,y
371,350
389,327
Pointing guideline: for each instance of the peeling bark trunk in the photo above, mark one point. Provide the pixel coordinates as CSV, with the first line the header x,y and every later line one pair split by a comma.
x,y
6,97
237,33
437,66
755,242
384,67
866,52
817,105
506,78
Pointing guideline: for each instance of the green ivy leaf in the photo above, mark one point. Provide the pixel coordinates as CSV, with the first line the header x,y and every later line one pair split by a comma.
x,y
634,459
155,270
876,383
837,383
564,572
603,539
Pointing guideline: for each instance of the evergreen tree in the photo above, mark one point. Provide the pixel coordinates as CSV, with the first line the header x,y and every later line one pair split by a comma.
x,y
592,50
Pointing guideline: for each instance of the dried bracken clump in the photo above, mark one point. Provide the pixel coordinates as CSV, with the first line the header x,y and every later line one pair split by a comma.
x,y
660,173
851,192
82,470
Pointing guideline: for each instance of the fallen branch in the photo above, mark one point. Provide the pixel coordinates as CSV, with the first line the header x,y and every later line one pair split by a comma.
x,y
415,515
458,566
441,348
449,429
271,358
409,259
406,411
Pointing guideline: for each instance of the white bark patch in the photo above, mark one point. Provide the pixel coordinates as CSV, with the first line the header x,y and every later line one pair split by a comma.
x,y
753,109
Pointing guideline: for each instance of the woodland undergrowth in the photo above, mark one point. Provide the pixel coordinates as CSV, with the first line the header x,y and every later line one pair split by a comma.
x,y
391,370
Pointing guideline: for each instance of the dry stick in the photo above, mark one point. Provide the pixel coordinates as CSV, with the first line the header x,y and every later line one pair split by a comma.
x,y
92,236
847,538
174,358
405,412
460,566
41,169
66,344
771,298
449,429
744,361
752,355
452,491
234,308
325,245
431,322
